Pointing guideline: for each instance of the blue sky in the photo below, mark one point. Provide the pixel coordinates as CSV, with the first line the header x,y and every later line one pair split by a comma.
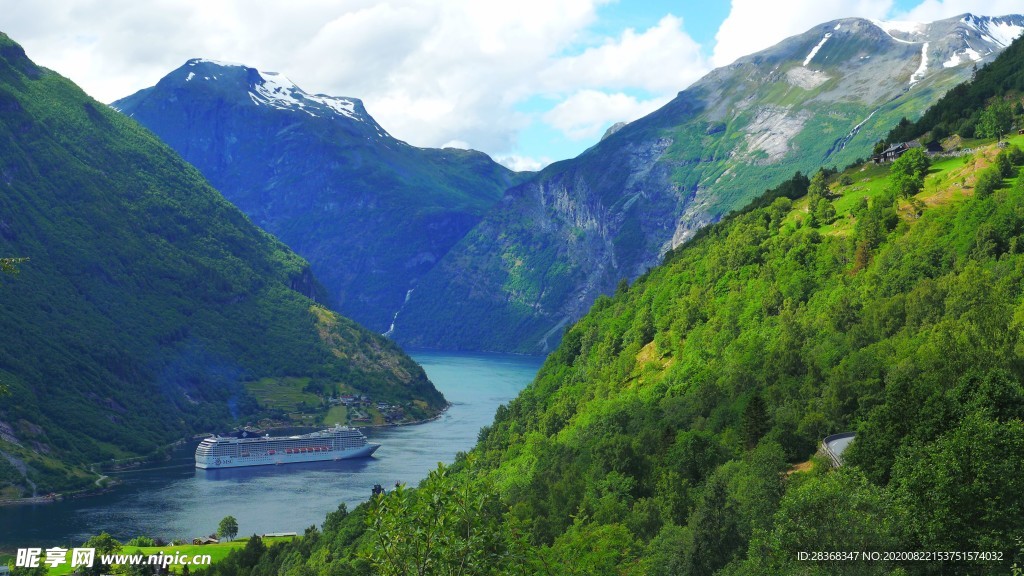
x,y
701,21
528,82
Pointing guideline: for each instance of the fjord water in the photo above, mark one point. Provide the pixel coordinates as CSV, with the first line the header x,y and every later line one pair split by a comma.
x,y
175,500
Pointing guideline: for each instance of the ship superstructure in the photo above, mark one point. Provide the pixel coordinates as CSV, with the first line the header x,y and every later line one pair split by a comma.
x,y
335,443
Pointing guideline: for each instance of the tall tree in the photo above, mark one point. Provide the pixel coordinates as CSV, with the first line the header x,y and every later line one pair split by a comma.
x,y
755,421
228,528
908,171
996,120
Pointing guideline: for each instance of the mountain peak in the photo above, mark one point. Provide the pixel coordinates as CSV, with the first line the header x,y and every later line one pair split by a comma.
x,y
906,27
851,51
1001,30
264,88
13,54
212,62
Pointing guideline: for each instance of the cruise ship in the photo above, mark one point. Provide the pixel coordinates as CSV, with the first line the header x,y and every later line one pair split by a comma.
x,y
331,444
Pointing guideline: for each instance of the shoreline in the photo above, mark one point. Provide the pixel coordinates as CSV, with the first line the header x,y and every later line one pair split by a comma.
x,y
413,423
112,482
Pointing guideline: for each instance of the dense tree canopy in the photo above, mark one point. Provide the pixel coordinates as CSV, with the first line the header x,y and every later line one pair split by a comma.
x,y
673,430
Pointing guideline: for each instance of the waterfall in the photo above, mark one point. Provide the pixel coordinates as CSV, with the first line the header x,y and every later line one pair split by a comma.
x,y
391,330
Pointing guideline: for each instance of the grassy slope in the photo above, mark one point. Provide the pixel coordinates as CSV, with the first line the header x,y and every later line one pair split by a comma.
x,y
657,381
217,552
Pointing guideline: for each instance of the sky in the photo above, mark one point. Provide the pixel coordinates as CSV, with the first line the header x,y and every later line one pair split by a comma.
x,y
528,82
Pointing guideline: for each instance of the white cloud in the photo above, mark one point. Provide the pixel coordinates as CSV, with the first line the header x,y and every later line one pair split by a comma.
x,y
661,59
520,163
753,25
586,114
456,74
430,72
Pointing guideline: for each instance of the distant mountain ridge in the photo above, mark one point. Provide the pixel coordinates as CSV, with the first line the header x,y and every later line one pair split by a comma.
x,y
371,213
148,302
554,243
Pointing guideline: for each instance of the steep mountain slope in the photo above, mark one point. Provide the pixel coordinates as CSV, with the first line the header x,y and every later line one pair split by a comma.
x,y
148,300
371,213
556,242
670,433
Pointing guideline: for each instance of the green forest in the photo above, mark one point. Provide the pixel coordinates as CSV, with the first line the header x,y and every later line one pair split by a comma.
x,y
676,429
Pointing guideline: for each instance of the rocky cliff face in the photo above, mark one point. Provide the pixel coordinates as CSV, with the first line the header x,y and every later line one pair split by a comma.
x,y
556,242
371,213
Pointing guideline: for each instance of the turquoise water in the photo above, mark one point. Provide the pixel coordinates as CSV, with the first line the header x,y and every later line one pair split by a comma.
x,y
175,500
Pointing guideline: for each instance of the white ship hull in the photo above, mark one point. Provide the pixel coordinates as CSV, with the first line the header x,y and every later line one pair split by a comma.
x,y
338,443
266,460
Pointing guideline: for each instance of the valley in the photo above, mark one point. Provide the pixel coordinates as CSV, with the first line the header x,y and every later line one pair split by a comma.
x,y
628,362
145,301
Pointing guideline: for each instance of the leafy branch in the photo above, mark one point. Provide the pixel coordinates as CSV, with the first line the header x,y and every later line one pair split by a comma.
x,y
10,265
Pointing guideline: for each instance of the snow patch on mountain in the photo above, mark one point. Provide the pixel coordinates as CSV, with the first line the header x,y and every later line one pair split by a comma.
x,y
969,53
277,91
816,48
1004,33
923,68
195,61
342,106
904,27
994,31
